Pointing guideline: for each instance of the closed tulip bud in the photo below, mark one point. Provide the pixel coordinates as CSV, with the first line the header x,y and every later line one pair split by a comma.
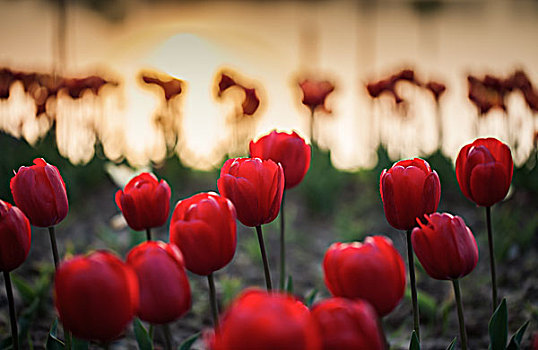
x,y
266,321
96,296
346,324
165,294
255,188
144,202
445,247
39,191
484,170
290,150
373,271
15,237
409,189
315,93
204,228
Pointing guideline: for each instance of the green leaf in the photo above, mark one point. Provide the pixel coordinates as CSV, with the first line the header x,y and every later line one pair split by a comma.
x,y
452,345
187,343
289,285
53,343
498,327
310,297
415,344
79,344
142,336
25,290
515,341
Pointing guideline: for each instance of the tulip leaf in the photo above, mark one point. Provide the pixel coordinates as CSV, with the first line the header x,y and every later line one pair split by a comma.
x,y
25,290
289,285
415,343
310,298
187,343
498,327
515,341
142,336
53,343
452,344
79,344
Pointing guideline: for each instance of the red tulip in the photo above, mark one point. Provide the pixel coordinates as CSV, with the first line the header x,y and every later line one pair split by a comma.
x,y
39,191
96,295
165,294
346,324
290,150
266,321
15,237
484,170
373,271
315,92
203,227
409,189
144,202
255,188
445,247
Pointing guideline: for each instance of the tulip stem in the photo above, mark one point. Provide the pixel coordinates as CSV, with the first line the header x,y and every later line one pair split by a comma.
x,y
463,333
12,316
54,246
264,258
213,301
148,234
167,337
413,282
312,116
282,246
491,260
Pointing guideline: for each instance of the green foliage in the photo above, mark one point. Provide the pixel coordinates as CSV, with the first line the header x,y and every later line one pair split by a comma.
x,y
289,285
310,298
53,343
428,306
187,343
415,343
230,287
498,327
142,336
515,341
452,344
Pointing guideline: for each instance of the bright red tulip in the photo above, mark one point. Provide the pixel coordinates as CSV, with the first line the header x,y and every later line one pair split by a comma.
x,y
373,271
445,247
144,202
347,324
15,237
96,295
255,188
315,92
203,227
484,170
266,321
290,150
165,293
409,189
39,191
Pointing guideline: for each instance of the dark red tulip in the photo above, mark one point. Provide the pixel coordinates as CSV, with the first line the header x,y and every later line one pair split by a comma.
x,y
373,271
409,189
290,150
144,202
15,237
96,295
165,293
255,188
346,324
484,170
315,93
445,247
39,191
266,321
203,227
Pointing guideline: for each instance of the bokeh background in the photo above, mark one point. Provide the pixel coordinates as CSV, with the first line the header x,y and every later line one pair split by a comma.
x,y
107,89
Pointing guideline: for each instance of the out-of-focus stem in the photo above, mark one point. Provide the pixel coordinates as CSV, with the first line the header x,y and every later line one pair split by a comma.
x,y
463,333
148,234
213,301
55,255
264,258
491,260
282,246
412,281
12,316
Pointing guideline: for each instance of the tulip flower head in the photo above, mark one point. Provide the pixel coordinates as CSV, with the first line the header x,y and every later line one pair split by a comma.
x,y
15,237
96,296
255,188
165,293
204,228
445,247
373,271
144,202
346,324
266,321
290,150
315,93
39,192
484,171
409,189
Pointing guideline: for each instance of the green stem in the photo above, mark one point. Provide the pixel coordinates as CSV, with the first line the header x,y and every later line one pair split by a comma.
x,y
412,281
12,315
213,301
491,260
463,333
312,116
148,234
150,331
282,246
167,337
264,258
54,246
